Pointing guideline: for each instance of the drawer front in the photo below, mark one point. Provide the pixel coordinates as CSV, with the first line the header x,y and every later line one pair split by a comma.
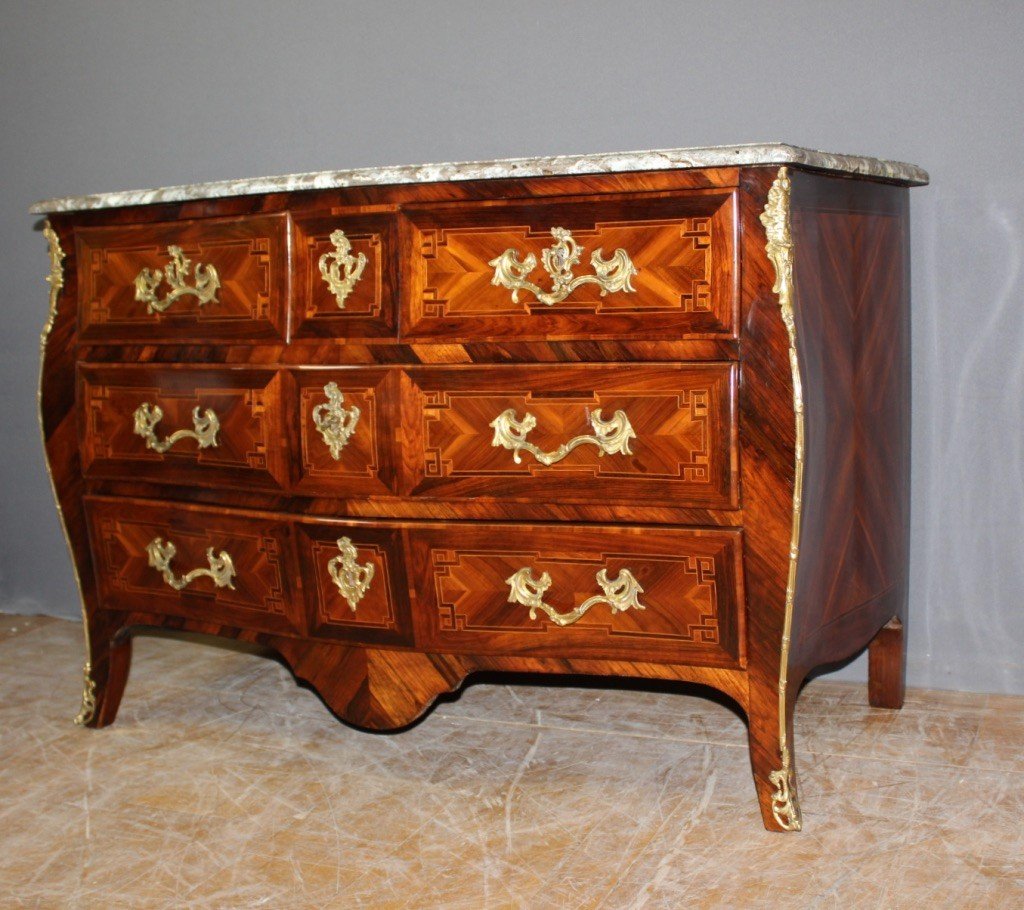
x,y
221,279
612,592
228,569
345,277
208,426
353,576
344,422
662,435
646,268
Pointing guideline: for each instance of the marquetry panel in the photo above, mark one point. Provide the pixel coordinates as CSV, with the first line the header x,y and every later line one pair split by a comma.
x,y
381,614
682,416
365,460
690,581
246,402
368,310
682,248
260,595
249,255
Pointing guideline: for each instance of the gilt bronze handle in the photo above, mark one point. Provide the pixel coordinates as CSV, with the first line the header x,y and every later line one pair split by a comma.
x,y
147,416
176,273
611,275
222,569
612,437
621,593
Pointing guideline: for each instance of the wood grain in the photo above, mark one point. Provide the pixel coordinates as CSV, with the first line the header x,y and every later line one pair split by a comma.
x,y
369,310
853,322
683,417
260,595
250,257
249,448
682,247
691,582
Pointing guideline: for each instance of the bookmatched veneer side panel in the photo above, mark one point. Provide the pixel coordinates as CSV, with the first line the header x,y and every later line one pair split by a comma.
x,y
851,242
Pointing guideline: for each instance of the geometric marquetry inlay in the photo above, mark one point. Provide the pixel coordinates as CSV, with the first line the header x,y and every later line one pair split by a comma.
x,y
680,433
688,582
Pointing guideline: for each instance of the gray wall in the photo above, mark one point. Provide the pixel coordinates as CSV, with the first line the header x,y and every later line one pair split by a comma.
x,y
110,95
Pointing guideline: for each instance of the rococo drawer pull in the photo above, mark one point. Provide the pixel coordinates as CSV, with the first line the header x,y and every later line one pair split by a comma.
x,y
147,416
221,570
175,273
620,593
340,269
612,437
335,422
353,580
612,275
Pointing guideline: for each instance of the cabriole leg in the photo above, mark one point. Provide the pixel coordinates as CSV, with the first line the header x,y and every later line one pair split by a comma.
x,y
105,673
887,666
774,768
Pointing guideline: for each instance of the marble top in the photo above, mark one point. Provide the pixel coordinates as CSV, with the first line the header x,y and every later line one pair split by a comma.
x,y
776,153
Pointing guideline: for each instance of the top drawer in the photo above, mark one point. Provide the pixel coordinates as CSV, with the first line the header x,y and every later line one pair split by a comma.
x,y
217,279
645,267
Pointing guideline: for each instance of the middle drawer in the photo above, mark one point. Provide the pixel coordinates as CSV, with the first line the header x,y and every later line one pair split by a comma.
x,y
214,426
645,434
653,434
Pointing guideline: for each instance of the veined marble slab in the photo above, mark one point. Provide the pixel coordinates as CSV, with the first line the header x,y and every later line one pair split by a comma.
x,y
603,163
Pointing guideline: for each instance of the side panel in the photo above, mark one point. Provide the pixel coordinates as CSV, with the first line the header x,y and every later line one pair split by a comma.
x,y
851,241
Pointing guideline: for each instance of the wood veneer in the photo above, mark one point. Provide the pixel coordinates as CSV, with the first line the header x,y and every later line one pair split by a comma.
x,y
250,259
702,509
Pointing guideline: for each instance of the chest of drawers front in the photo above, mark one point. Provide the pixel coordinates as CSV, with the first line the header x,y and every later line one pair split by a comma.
x,y
404,433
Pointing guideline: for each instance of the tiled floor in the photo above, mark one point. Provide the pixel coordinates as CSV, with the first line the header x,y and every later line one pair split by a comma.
x,y
223,785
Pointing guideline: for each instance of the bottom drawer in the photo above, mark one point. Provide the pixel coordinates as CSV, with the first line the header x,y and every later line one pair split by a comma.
x,y
230,569
665,594
671,595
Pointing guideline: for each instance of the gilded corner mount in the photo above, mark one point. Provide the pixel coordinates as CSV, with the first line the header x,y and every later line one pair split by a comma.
x,y
88,710
777,221
785,806
55,279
